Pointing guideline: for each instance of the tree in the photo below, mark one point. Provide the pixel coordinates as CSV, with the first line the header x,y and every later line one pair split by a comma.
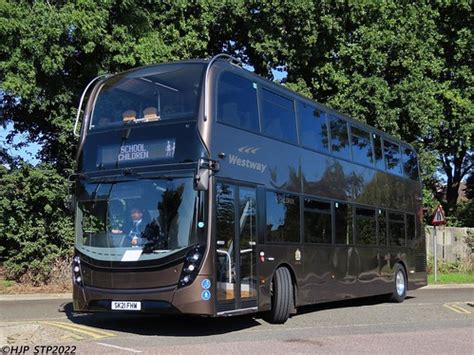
x,y
35,227
50,50
453,138
403,67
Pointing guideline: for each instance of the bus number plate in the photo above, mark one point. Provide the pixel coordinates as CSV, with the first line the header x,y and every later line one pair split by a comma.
x,y
126,306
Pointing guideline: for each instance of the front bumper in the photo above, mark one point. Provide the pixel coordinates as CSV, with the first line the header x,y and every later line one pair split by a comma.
x,y
164,300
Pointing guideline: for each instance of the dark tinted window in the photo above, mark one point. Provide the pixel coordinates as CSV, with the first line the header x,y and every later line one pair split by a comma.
x,y
283,217
361,146
339,137
313,127
149,94
365,226
411,229
410,164
343,214
225,213
382,227
378,152
317,221
278,116
237,101
396,229
392,157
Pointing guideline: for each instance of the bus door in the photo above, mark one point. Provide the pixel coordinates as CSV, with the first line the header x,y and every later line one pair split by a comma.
x,y
236,238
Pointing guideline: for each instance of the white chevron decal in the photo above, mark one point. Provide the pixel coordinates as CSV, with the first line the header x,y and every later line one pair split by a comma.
x,y
248,149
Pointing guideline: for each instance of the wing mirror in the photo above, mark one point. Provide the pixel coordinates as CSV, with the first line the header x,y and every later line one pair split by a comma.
x,y
203,173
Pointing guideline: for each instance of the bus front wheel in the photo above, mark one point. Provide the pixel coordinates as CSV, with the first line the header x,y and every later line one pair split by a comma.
x,y
282,297
399,285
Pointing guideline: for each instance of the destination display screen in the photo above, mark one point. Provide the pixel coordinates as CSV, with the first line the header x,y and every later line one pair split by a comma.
x,y
136,152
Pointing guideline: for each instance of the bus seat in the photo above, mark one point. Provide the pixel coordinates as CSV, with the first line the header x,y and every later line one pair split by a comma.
x,y
150,114
129,116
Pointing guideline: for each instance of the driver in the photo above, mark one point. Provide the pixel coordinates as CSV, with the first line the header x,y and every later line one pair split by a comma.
x,y
137,227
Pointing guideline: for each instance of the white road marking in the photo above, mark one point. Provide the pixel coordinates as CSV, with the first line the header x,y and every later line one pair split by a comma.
x,y
120,347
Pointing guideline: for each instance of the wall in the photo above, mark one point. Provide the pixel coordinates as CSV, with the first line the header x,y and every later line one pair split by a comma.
x,y
451,243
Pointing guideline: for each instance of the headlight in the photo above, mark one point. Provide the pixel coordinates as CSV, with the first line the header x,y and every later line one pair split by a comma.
x,y
192,262
76,270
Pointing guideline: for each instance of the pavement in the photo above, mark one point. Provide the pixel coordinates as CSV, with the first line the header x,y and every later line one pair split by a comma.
x,y
431,320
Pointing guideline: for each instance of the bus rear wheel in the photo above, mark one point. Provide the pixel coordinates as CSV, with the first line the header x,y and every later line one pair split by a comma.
x,y
399,285
282,297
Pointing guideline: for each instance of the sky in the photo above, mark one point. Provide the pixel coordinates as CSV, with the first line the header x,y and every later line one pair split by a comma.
x,y
28,153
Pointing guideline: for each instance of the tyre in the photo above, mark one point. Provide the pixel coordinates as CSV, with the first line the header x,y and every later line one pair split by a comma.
x,y
282,297
400,284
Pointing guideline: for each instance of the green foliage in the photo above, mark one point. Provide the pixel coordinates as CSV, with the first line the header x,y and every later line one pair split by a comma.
x,y
404,67
35,228
465,213
460,266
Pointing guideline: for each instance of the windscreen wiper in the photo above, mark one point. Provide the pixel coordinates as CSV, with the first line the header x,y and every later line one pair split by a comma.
x,y
153,247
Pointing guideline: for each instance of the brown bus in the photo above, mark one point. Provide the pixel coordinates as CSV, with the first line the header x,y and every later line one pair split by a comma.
x,y
205,189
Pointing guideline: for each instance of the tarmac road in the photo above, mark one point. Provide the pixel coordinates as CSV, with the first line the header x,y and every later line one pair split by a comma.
x,y
429,321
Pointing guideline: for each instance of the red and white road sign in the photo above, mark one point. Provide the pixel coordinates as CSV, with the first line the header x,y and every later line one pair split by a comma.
x,y
438,217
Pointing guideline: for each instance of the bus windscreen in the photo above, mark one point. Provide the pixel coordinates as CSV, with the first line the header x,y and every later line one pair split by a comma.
x,y
151,94
148,218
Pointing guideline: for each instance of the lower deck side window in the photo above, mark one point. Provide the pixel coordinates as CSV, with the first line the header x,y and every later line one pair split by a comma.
x,y
317,222
283,217
396,229
381,227
365,226
343,221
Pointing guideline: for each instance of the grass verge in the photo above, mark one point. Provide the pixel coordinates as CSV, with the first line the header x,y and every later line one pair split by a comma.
x,y
452,278
5,285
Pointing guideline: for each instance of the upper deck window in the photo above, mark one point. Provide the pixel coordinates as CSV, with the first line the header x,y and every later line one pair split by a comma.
x,y
278,116
361,146
150,94
410,164
378,152
339,137
392,157
313,127
237,101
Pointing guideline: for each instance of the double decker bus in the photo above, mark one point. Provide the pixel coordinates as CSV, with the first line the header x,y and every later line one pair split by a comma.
x,y
205,189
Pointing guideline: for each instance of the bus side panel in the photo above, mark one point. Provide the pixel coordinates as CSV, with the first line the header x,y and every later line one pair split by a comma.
x,y
318,282
283,256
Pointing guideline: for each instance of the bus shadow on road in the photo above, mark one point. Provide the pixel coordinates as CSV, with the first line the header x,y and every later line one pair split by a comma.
x,y
349,303
172,325
188,326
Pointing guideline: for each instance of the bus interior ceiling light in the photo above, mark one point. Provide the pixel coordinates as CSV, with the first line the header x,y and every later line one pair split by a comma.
x,y
160,84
